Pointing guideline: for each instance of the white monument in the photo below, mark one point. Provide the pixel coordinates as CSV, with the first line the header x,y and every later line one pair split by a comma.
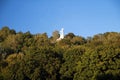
x,y
61,34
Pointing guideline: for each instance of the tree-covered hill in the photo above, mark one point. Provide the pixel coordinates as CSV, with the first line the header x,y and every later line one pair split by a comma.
x,y
26,56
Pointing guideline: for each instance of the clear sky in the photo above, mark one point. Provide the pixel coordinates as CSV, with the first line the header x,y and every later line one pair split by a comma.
x,y
82,17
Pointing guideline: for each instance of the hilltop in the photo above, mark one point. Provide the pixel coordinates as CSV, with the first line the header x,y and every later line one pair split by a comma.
x,y
26,56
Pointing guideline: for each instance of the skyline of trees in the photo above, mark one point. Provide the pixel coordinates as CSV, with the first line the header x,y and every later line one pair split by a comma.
x,y
26,56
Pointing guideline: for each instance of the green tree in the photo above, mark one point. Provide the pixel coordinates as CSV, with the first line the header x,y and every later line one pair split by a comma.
x,y
70,35
78,40
71,57
55,36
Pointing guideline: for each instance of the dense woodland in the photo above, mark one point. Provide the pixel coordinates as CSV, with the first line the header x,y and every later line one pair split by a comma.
x,y
26,56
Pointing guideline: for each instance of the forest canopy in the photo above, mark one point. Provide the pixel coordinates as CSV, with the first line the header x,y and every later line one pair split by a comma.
x,y
26,56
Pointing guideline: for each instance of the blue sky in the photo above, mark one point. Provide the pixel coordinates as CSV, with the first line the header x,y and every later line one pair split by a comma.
x,y
82,17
